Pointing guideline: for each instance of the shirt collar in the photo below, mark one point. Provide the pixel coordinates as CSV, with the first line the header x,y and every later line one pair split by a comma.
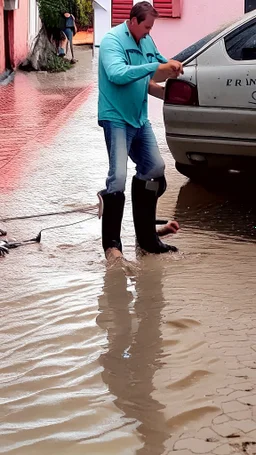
x,y
127,31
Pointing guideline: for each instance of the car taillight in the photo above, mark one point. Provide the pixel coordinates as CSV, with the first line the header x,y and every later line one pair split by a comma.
x,y
181,92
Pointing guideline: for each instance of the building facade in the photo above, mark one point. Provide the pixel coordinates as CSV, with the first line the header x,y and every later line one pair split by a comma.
x,y
19,24
34,22
198,18
181,22
2,42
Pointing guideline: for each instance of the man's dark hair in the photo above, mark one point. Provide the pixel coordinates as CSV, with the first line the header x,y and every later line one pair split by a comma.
x,y
141,10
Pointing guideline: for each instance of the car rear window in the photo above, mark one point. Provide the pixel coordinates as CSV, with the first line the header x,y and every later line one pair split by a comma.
x,y
241,44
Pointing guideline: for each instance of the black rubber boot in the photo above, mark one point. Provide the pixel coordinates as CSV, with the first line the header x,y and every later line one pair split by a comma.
x,y
113,208
145,194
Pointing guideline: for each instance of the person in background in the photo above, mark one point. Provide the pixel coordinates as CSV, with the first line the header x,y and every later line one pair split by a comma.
x,y
129,68
68,29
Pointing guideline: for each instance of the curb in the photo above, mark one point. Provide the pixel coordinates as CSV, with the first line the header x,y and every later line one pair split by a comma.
x,y
7,77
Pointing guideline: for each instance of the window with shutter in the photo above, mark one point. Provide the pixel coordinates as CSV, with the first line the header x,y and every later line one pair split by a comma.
x,y
121,11
168,8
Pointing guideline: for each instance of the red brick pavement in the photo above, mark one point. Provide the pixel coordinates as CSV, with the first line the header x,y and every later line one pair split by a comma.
x,y
31,114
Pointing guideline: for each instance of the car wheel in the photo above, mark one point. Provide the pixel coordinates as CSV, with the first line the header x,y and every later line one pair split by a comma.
x,y
192,172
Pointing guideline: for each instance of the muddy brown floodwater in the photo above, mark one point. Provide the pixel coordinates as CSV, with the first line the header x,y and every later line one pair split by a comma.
x,y
157,358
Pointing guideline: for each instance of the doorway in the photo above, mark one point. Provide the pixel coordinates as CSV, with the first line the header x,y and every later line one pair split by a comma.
x,y
249,5
7,40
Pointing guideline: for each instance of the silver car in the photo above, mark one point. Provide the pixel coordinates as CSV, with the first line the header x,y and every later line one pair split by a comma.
x,y
210,112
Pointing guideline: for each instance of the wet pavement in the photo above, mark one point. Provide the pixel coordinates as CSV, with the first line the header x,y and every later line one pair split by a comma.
x,y
34,108
154,358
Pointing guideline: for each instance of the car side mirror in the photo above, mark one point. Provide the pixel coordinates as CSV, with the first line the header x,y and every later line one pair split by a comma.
x,y
249,53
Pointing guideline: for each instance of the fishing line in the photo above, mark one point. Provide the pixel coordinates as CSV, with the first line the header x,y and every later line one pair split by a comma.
x,y
4,244
38,238
40,215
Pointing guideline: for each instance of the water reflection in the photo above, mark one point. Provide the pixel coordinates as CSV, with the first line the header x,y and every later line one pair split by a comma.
x,y
130,311
224,207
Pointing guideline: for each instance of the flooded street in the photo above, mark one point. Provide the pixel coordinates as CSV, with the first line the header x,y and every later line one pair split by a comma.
x,y
158,358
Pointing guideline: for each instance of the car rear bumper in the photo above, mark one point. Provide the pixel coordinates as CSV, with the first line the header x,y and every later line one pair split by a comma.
x,y
215,152
209,131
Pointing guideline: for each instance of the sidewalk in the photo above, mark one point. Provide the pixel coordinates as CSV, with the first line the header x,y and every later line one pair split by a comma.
x,y
36,105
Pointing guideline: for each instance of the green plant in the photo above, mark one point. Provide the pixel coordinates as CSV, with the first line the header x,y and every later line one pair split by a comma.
x,y
51,10
57,64
84,13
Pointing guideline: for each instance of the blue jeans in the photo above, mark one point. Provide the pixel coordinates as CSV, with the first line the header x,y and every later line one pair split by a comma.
x,y
137,143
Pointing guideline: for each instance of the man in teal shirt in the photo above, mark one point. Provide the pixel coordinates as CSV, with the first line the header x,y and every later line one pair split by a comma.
x,y
129,68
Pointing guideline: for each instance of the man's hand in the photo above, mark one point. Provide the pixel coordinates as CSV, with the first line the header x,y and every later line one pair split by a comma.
x,y
171,69
171,227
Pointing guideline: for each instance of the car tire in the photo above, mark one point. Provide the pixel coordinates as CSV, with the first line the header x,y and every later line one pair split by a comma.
x,y
202,174
192,172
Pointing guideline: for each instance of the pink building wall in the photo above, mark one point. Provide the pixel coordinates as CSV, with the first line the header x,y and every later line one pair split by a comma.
x,y
19,33
198,18
2,52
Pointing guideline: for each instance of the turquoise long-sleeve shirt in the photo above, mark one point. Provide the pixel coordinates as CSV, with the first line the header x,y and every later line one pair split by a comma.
x,y
125,69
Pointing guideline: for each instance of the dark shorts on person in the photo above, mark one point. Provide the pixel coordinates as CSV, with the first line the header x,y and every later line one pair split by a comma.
x,y
69,34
